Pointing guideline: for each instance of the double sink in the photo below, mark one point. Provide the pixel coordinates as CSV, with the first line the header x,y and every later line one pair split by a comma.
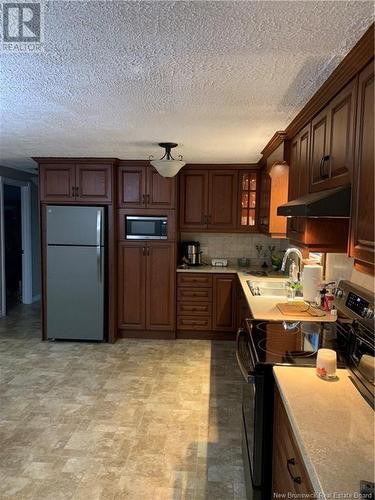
x,y
269,288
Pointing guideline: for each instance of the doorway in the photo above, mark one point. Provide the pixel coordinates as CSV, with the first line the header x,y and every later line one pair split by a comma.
x,y
12,246
15,244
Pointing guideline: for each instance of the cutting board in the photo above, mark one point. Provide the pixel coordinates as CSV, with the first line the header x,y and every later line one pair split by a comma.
x,y
299,309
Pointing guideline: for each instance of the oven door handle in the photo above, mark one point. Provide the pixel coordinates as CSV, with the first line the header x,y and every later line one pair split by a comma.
x,y
248,375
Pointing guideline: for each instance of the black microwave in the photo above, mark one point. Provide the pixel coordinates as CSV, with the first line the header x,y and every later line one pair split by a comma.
x,y
142,227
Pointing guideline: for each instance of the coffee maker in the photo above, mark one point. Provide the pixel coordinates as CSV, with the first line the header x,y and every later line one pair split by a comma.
x,y
191,253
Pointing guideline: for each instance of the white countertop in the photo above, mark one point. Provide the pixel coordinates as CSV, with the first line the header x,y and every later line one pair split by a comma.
x,y
262,308
334,429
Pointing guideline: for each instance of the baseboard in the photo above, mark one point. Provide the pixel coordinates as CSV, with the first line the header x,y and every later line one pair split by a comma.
x,y
146,334
208,335
35,298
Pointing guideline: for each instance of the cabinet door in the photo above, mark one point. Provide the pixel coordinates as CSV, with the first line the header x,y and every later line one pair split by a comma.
x,y
57,182
222,212
132,286
193,199
362,225
161,191
131,182
161,285
224,302
319,150
265,201
94,182
341,137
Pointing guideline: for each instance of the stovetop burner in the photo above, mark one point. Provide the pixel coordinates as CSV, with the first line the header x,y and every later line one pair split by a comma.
x,y
295,343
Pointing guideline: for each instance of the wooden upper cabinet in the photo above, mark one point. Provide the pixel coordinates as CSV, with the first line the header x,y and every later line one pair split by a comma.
x,y
76,182
247,200
131,286
140,186
224,302
222,212
362,225
94,182
332,140
193,199
57,182
131,185
265,200
161,191
160,286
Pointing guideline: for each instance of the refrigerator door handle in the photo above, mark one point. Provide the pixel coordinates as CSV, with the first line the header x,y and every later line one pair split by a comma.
x,y
98,243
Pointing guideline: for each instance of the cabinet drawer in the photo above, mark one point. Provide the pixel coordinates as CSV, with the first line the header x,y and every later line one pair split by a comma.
x,y
197,279
194,308
193,323
194,294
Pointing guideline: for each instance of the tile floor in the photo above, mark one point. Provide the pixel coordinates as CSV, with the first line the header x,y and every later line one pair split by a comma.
x,y
136,420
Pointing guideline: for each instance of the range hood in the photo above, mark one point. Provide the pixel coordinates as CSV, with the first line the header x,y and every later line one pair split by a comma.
x,y
330,203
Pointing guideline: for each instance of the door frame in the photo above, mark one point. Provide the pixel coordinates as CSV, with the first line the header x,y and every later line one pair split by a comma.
x,y
27,278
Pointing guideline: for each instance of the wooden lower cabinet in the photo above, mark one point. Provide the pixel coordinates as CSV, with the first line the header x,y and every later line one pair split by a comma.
x,y
206,305
224,302
146,288
289,475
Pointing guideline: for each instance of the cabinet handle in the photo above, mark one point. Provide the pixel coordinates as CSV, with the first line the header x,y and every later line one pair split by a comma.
x,y
148,251
322,172
143,199
296,479
77,191
73,191
143,251
148,199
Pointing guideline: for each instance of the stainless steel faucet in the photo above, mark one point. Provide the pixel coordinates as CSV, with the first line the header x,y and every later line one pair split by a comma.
x,y
299,260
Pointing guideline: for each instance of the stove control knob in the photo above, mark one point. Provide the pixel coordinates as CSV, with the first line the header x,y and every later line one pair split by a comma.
x,y
368,313
339,293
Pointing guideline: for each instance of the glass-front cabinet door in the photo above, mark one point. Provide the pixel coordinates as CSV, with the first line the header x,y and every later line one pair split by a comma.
x,y
248,200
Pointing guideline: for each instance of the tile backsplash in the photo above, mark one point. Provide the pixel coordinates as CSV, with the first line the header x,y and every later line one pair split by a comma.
x,y
234,245
341,267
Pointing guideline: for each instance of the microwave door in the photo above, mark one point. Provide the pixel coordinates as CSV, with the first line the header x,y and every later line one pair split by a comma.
x,y
144,228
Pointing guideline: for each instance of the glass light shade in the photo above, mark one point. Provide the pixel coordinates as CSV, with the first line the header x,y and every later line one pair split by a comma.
x,y
167,168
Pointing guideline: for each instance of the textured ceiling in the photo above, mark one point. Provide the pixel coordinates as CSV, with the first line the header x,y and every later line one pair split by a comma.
x,y
219,78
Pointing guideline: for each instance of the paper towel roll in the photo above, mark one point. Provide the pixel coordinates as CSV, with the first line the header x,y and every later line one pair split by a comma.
x,y
311,280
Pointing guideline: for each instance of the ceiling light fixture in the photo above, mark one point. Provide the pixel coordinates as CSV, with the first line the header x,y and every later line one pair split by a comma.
x,y
167,166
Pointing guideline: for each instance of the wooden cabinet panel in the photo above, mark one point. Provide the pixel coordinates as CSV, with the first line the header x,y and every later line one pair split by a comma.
x,y
195,280
131,286
243,310
57,182
193,308
319,149
224,300
332,140
289,472
362,244
161,191
193,199
160,286
94,182
194,294
265,201
222,213
131,186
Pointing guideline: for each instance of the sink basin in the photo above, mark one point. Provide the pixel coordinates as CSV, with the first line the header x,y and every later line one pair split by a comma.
x,y
268,288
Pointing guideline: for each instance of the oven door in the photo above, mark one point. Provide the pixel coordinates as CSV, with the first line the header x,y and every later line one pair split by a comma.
x,y
252,408
146,228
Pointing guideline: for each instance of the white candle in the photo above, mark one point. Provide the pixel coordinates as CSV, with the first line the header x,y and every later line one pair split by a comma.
x,y
326,363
